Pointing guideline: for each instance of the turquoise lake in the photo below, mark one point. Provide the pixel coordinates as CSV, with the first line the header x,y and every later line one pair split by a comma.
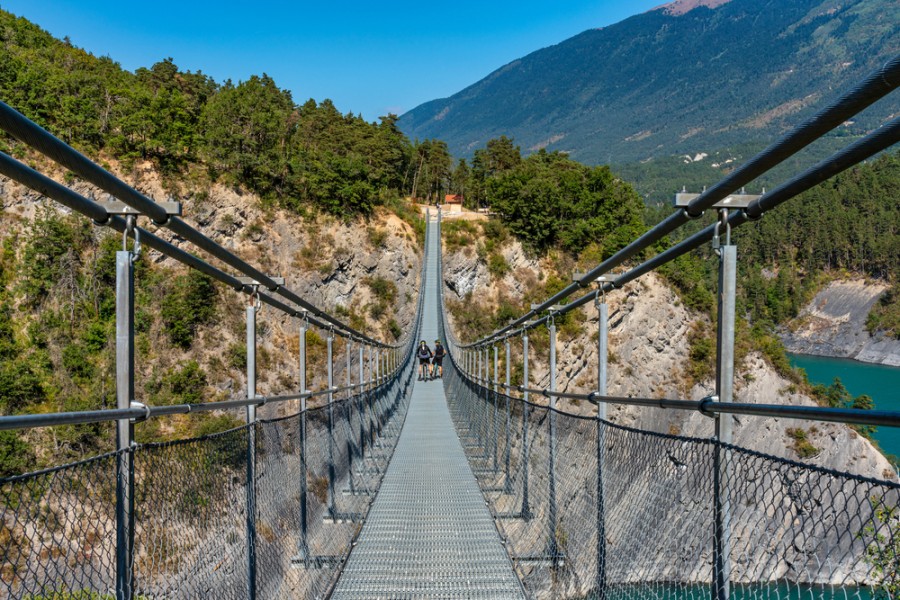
x,y
878,381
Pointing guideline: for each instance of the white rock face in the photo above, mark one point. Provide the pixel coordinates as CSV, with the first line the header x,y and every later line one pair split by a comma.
x,y
323,260
834,324
649,348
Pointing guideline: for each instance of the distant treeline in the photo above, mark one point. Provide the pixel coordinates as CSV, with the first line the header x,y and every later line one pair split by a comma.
x,y
254,135
251,134
847,224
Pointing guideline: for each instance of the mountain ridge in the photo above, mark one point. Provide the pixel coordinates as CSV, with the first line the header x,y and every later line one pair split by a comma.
x,y
661,84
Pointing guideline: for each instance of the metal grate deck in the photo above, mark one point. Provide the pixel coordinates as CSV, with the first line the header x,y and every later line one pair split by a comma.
x,y
429,533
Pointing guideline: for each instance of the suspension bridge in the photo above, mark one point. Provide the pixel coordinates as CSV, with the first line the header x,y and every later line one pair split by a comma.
x,y
473,486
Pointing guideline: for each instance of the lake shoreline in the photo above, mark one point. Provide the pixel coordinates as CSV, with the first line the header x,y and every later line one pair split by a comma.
x,y
834,325
878,381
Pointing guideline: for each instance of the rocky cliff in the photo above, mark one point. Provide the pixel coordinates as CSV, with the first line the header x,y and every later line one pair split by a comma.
x,y
649,344
834,324
335,265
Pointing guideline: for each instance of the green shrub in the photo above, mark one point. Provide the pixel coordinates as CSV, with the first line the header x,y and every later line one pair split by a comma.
x,y
377,236
237,356
20,385
702,354
802,446
497,265
495,231
457,234
217,423
16,456
188,383
882,533
189,303
383,289
77,362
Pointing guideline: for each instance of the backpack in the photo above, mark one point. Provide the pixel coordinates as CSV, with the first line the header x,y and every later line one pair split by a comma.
x,y
439,351
424,352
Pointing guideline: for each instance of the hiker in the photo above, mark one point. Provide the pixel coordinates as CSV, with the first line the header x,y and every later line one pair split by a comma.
x,y
424,355
437,368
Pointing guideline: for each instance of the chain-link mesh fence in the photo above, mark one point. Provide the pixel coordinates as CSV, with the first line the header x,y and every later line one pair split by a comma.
x,y
58,531
789,530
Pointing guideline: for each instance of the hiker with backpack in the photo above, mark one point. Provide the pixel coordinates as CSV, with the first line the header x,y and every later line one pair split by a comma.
x,y
437,368
424,354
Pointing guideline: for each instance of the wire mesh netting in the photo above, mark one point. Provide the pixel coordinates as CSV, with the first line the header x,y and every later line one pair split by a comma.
x,y
790,530
58,528
57,518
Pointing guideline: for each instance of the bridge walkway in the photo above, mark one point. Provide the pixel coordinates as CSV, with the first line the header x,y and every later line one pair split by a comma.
x,y
429,533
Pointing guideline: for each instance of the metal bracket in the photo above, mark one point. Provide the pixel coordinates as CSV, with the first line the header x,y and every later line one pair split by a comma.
x,y
742,200
135,404
704,406
132,228
550,309
250,281
117,207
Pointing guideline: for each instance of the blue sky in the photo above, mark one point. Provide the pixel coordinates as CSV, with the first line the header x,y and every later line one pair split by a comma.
x,y
367,57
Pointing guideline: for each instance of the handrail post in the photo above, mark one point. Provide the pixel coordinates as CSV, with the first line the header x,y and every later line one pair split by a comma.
x,y
476,407
526,509
725,391
252,310
350,445
507,482
371,396
348,350
329,344
124,428
303,546
602,359
496,394
551,425
377,367
360,407
485,384
371,379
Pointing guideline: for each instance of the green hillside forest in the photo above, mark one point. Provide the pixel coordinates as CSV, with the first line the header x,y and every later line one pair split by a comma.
x,y
660,84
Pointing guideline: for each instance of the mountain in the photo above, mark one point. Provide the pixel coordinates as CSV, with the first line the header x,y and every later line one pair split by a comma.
x,y
687,77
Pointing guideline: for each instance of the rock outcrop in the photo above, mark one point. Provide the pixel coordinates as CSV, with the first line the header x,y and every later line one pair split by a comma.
x,y
649,346
834,324
328,262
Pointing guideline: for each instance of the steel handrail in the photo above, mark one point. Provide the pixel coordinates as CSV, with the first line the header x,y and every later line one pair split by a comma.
x,y
143,412
710,406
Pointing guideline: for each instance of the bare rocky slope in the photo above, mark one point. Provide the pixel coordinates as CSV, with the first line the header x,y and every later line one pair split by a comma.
x,y
834,324
324,260
649,349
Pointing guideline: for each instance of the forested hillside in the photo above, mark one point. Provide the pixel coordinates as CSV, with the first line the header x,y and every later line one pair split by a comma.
x,y
848,224
251,134
661,84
